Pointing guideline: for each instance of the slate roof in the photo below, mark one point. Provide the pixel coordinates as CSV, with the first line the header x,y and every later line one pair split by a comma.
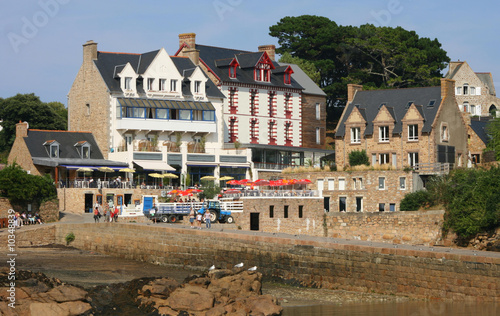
x,y
479,127
68,153
218,59
310,87
110,64
396,100
487,79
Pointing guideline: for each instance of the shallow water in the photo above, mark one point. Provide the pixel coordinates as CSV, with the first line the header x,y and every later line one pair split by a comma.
x,y
397,309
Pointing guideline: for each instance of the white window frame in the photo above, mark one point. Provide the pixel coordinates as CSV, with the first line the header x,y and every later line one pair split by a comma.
x,y
173,85
354,183
318,136
412,132
341,184
458,91
383,134
318,111
465,89
127,85
472,109
472,90
54,150
150,84
331,184
85,154
355,135
411,158
197,86
381,183
445,132
383,158
162,83
360,182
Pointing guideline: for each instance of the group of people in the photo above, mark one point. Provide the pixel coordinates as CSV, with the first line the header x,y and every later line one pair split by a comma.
x,y
110,213
196,218
26,218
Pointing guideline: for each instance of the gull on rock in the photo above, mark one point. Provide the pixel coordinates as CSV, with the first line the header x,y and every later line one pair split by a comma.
x,y
211,268
239,265
254,268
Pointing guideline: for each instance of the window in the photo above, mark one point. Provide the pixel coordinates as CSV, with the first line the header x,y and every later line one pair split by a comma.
x,y
381,207
444,132
288,136
253,106
285,211
185,115
150,81
86,151
381,183
466,107
331,184
355,137
342,204
162,84
318,111
472,90
354,183
383,159
287,78
128,81
431,103
88,108
473,109
253,130
271,211
383,134
173,85
301,211
476,158
232,71
232,130
54,151
412,159
402,183
271,104
341,184
392,207
161,113
318,135
465,89
360,182
359,204
209,115
458,90
197,86
412,132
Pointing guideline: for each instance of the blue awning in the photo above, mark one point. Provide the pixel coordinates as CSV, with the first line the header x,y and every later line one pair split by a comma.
x,y
92,167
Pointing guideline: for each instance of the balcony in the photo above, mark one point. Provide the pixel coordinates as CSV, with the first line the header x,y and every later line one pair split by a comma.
x,y
433,168
272,166
140,124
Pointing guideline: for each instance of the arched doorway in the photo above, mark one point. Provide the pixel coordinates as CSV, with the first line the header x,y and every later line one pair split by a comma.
x,y
493,110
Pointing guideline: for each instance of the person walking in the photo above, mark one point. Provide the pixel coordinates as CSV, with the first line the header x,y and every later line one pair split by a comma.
x,y
207,219
192,217
96,215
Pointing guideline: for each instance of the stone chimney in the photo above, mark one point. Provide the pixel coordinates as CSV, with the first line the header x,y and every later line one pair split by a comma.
x,y
351,91
89,51
454,65
189,39
22,129
270,50
447,88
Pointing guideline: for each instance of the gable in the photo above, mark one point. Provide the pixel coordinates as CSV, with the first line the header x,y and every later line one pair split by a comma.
x,y
162,66
355,117
384,116
413,114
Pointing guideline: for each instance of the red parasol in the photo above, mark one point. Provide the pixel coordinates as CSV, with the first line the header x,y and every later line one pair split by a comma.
x,y
232,191
261,182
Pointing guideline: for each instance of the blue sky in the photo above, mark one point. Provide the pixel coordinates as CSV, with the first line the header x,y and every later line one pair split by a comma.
x,y
41,40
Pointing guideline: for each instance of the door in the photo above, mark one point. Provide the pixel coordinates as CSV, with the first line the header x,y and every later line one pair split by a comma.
x,y
359,204
254,221
89,199
342,204
326,203
148,203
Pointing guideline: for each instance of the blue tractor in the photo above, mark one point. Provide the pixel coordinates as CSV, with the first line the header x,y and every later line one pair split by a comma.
x,y
216,213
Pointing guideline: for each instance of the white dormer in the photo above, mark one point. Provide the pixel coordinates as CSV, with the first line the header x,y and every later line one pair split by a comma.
x,y
162,79
128,79
197,81
52,148
83,149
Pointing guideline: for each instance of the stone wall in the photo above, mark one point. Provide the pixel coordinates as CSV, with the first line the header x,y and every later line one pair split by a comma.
x,y
416,273
423,228
310,122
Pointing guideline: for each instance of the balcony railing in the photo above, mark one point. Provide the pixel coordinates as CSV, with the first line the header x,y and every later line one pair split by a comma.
x,y
272,166
433,168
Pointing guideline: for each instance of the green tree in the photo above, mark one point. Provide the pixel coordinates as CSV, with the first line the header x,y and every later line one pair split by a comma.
x,y
28,108
493,129
377,57
21,187
358,157
308,67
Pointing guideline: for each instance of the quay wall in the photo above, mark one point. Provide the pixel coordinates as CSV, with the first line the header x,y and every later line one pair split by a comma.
x,y
295,259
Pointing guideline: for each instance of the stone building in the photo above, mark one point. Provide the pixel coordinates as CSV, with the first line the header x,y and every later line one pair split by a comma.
x,y
420,128
474,91
274,109
154,112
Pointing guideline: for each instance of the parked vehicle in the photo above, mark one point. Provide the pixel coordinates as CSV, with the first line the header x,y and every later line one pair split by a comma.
x,y
173,212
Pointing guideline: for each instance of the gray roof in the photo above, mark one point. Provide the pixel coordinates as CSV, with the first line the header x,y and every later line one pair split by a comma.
x,y
68,153
487,79
310,87
218,60
479,127
396,100
110,64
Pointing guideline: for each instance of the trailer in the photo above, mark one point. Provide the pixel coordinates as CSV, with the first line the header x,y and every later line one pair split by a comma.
x,y
173,212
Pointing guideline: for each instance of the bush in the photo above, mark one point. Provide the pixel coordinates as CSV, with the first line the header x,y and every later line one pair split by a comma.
x,y
358,157
69,238
416,200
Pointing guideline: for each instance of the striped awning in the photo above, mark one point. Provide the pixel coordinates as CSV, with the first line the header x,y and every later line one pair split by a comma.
x,y
166,104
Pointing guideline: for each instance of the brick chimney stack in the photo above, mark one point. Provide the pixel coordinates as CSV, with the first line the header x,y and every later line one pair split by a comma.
x,y
190,51
447,88
22,129
351,91
89,51
270,49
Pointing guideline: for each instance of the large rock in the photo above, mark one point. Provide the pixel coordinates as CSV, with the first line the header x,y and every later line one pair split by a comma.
x,y
192,298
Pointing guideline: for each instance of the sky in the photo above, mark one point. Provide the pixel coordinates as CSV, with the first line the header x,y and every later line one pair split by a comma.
x,y
41,40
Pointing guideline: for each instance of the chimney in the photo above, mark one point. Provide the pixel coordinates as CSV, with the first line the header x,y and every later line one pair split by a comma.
x,y
454,65
189,39
193,54
351,91
22,129
270,50
447,88
89,51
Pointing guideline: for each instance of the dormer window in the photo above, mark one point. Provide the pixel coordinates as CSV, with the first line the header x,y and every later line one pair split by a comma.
x,y
52,147
197,86
466,89
150,83
173,85
83,149
128,83
288,75
263,73
162,83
